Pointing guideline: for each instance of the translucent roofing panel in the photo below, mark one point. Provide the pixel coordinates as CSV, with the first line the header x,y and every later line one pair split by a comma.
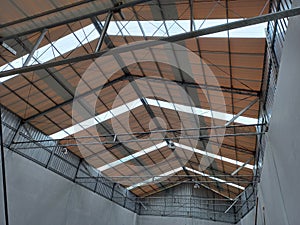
x,y
97,119
169,173
163,144
162,104
153,28
215,178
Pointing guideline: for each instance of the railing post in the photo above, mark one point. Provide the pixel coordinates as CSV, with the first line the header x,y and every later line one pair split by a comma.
x,y
4,183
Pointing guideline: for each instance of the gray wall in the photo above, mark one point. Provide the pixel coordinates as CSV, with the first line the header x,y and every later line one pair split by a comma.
x,y
157,220
280,182
249,219
38,196
186,201
1,197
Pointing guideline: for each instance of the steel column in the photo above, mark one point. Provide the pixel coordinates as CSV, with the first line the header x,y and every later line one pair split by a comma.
x,y
192,23
256,212
3,173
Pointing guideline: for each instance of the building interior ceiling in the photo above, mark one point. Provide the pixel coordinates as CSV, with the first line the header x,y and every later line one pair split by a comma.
x,y
44,97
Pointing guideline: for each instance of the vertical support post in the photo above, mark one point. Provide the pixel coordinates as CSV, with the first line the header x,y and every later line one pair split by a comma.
x,y
112,191
15,134
275,25
3,173
36,45
125,198
256,211
192,24
77,169
104,30
163,17
51,157
97,180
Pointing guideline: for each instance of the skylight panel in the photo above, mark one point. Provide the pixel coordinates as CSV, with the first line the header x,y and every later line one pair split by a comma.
x,y
150,28
130,28
97,119
112,28
133,156
158,103
212,155
215,178
163,144
201,111
156,178
54,49
254,31
177,27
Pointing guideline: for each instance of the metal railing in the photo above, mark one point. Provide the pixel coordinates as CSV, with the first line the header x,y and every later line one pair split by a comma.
x,y
275,37
54,158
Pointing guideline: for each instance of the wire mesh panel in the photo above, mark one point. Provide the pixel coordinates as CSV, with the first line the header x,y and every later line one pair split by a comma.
x,y
24,140
11,123
275,37
104,187
245,202
131,201
63,167
186,201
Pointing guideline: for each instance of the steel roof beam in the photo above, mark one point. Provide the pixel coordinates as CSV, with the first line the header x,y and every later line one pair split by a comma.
x,y
192,23
45,13
99,28
145,140
127,77
103,30
36,45
175,38
241,112
116,8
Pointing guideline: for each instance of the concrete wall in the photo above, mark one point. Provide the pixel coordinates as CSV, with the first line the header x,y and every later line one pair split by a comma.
x,y
158,220
161,204
38,196
1,197
280,181
249,219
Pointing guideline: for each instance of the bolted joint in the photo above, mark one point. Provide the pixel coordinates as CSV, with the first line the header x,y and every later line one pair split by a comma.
x,y
119,10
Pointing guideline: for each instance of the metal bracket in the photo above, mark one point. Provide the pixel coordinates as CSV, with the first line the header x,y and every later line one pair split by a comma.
x,y
8,48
